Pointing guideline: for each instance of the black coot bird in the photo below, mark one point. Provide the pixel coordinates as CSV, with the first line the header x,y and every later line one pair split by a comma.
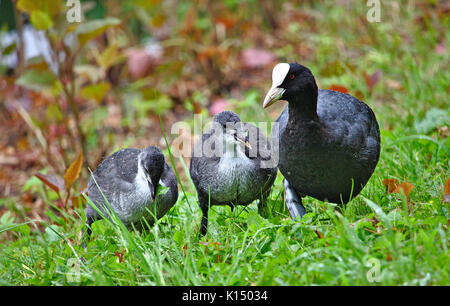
x,y
131,179
234,166
329,142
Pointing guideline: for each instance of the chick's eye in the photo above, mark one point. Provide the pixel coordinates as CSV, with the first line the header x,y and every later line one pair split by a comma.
x,y
292,76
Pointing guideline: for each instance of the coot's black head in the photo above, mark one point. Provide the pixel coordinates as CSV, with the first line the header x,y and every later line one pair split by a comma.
x,y
153,163
292,82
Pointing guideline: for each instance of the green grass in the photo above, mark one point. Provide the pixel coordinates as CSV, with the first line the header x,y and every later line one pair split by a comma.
x,y
377,239
241,248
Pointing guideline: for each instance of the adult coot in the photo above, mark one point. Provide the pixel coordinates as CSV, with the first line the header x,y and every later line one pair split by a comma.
x,y
137,183
329,142
234,166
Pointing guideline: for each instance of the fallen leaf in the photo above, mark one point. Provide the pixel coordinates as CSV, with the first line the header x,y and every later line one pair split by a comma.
x,y
447,191
257,58
447,187
339,88
404,188
391,185
228,20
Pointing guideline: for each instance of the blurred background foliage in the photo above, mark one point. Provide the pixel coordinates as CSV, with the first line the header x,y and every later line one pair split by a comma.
x,y
104,83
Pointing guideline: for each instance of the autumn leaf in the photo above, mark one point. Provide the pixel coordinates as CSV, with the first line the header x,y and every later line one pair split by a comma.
x,y
319,234
404,188
373,79
339,88
73,171
54,182
256,58
119,256
228,21
447,191
391,184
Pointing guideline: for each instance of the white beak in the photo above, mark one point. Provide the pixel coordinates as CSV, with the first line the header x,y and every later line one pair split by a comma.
x,y
274,94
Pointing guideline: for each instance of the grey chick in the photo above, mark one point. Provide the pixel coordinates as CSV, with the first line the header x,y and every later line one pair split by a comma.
x,y
233,171
130,179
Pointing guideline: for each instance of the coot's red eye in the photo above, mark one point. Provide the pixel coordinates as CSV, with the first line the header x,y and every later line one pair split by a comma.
x,y
292,76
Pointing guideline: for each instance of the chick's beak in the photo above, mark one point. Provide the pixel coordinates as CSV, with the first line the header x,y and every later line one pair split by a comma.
x,y
246,143
274,94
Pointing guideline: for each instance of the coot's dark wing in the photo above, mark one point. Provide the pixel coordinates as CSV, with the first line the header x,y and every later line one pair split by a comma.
x,y
350,124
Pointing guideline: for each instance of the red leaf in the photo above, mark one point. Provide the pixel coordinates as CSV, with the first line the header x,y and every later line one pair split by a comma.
x,y
391,185
373,79
54,182
119,255
339,88
447,191
447,187
404,188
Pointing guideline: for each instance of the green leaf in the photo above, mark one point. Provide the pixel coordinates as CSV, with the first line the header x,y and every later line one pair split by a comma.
x,y
91,29
36,80
95,92
50,7
29,6
41,20
9,49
